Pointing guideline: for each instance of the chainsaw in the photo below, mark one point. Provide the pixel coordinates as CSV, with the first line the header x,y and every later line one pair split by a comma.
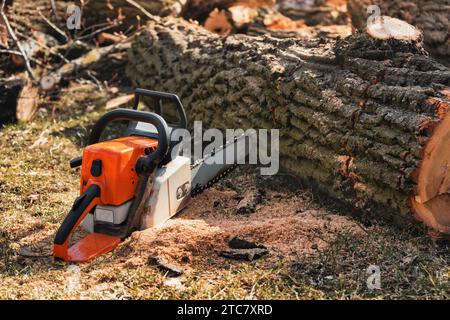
x,y
137,181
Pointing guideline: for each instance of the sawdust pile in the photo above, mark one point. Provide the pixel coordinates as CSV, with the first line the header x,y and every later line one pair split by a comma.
x,y
286,222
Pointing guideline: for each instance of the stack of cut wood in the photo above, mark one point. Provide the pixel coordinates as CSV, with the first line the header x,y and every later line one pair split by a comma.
x,y
363,120
39,54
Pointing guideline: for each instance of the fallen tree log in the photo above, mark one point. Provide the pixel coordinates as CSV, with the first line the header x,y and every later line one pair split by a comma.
x,y
361,120
432,17
96,56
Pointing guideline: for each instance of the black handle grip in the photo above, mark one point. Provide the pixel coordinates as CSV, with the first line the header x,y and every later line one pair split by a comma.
x,y
141,116
162,96
79,206
76,162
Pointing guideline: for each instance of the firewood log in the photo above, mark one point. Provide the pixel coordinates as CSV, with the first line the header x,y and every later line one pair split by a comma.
x,y
363,120
431,17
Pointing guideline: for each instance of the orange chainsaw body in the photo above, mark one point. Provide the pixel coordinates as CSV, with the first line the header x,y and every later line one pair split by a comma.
x,y
110,165
118,176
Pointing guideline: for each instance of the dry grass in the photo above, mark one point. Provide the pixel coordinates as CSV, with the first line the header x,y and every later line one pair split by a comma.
x,y
315,253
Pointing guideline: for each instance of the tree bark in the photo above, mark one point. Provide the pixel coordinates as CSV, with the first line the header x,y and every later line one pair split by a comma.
x,y
432,17
354,115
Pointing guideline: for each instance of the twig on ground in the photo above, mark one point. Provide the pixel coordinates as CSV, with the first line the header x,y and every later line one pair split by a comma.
x,y
94,26
55,27
10,51
14,37
97,82
55,11
97,32
50,50
145,12
18,53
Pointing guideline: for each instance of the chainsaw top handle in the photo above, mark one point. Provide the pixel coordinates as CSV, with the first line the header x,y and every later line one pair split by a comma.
x,y
145,163
158,98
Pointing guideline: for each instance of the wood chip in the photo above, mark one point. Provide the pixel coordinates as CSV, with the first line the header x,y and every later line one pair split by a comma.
x,y
119,101
27,102
168,269
3,35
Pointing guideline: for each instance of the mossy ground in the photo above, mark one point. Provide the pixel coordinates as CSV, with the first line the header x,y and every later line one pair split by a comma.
x,y
37,187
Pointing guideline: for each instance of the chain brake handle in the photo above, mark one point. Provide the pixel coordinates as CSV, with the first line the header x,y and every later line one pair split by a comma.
x,y
158,98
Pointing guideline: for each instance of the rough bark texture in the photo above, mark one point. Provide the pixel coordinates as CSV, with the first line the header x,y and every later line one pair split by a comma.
x,y
432,17
353,115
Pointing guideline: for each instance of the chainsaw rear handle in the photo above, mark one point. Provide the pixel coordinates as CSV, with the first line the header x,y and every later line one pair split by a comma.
x,y
146,162
158,97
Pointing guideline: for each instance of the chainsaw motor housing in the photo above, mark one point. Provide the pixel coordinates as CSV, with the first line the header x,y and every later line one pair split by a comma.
x,y
112,166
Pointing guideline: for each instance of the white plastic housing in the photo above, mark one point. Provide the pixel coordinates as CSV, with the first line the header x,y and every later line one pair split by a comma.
x,y
170,190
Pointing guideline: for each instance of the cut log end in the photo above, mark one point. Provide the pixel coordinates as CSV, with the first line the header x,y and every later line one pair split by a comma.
x,y
431,202
48,83
384,28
